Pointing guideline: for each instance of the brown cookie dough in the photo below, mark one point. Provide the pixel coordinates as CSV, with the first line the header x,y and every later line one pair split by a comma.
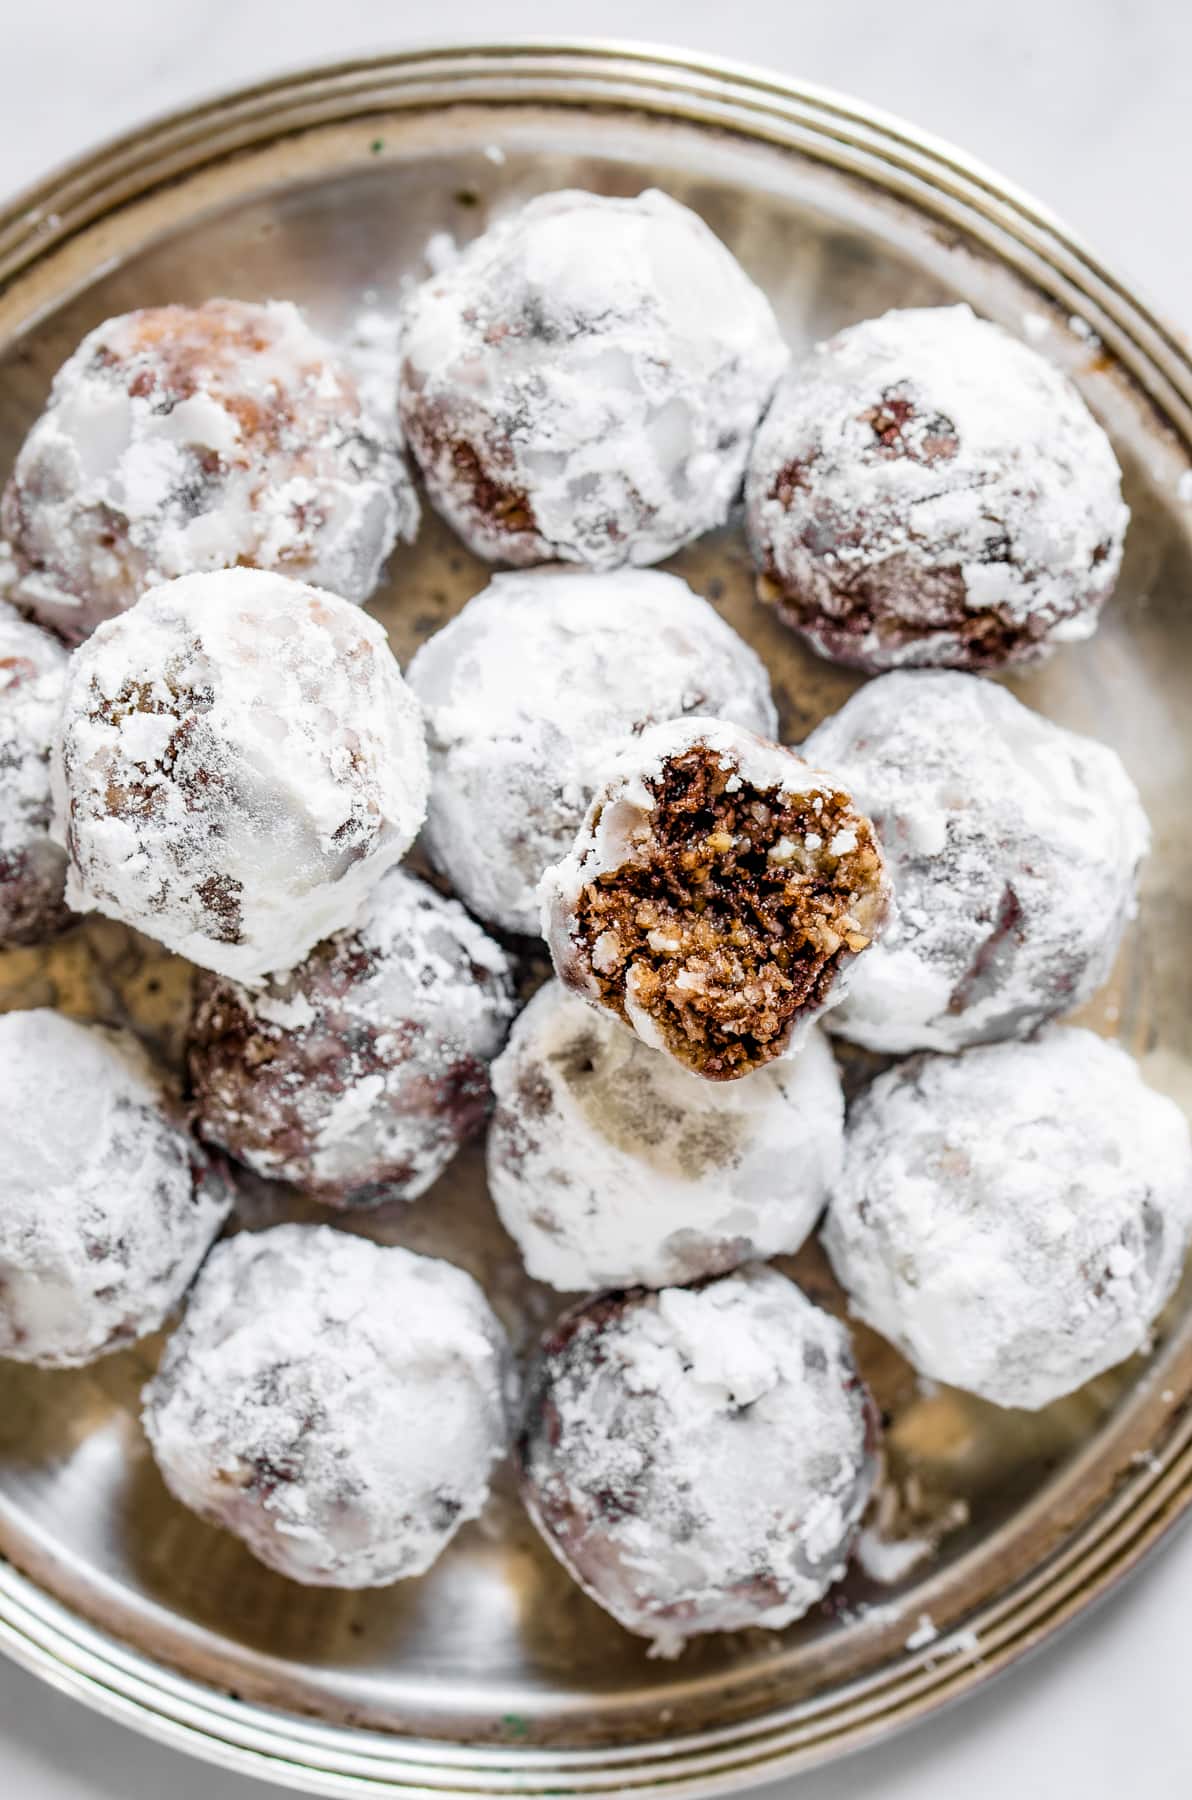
x,y
716,895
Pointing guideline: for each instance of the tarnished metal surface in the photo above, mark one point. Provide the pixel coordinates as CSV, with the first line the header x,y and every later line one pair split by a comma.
x,y
493,1673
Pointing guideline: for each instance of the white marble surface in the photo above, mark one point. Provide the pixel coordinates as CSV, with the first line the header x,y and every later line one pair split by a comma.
x,y
1085,102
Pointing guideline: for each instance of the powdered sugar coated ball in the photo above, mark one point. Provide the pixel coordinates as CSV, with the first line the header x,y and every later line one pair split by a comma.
x,y
698,1458
927,490
583,382
530,690
185,438
32,866
240,762
1013,847
1014,1218
611,1166
359,1073
717,894
337,1404
107,1205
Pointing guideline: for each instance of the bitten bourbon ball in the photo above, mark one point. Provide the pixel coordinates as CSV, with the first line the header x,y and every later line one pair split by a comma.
x,y
184,438
697,1459
529,692
1013,848
107,1205
717,893
32,866
240,762
583,383
611,1166
927,490
1015,1217
359,1073
337,1404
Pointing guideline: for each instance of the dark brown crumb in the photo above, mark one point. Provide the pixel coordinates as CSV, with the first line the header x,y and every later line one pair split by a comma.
x,y
732,926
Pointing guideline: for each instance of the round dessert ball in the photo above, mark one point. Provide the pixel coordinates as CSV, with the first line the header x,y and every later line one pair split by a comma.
x,y
1013,1218
927,490
717,893
107,1205
582,383
240,762
337,1404
1013,848
529,691
697,1459
32,867
359,1074
611,1166
185,438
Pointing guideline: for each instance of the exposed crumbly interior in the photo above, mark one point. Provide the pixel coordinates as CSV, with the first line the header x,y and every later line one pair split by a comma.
x,y
533,688
737,914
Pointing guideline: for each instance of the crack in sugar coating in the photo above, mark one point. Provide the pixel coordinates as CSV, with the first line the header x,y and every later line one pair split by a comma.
x,y
738,917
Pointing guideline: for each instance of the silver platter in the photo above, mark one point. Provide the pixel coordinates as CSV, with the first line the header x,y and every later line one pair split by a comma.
x,y
493,1675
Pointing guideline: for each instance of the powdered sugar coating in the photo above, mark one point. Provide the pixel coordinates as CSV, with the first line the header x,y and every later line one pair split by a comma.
x,y
611,1166
698,1459
358,1074
336,1403
107,1206
529,691
621,834
240,763
1013,847
927,490
180,439
583,381
1014,1218
32,866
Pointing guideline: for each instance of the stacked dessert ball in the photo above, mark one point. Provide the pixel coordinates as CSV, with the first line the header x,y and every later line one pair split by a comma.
x,y
232,763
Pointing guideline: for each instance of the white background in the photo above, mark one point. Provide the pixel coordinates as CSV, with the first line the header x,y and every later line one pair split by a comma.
x,y
1085,102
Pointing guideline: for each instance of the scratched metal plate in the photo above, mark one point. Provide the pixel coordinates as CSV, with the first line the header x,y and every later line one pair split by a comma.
x,y
493,1673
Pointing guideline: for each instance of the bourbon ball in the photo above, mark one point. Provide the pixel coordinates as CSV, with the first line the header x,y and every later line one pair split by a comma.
x,y
1015,1217
698,1458
337,1404
32,867
240,762
358,1074
107,1204
612,1166
718,892
928,491
530,690
582,383
1013,848
186,438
